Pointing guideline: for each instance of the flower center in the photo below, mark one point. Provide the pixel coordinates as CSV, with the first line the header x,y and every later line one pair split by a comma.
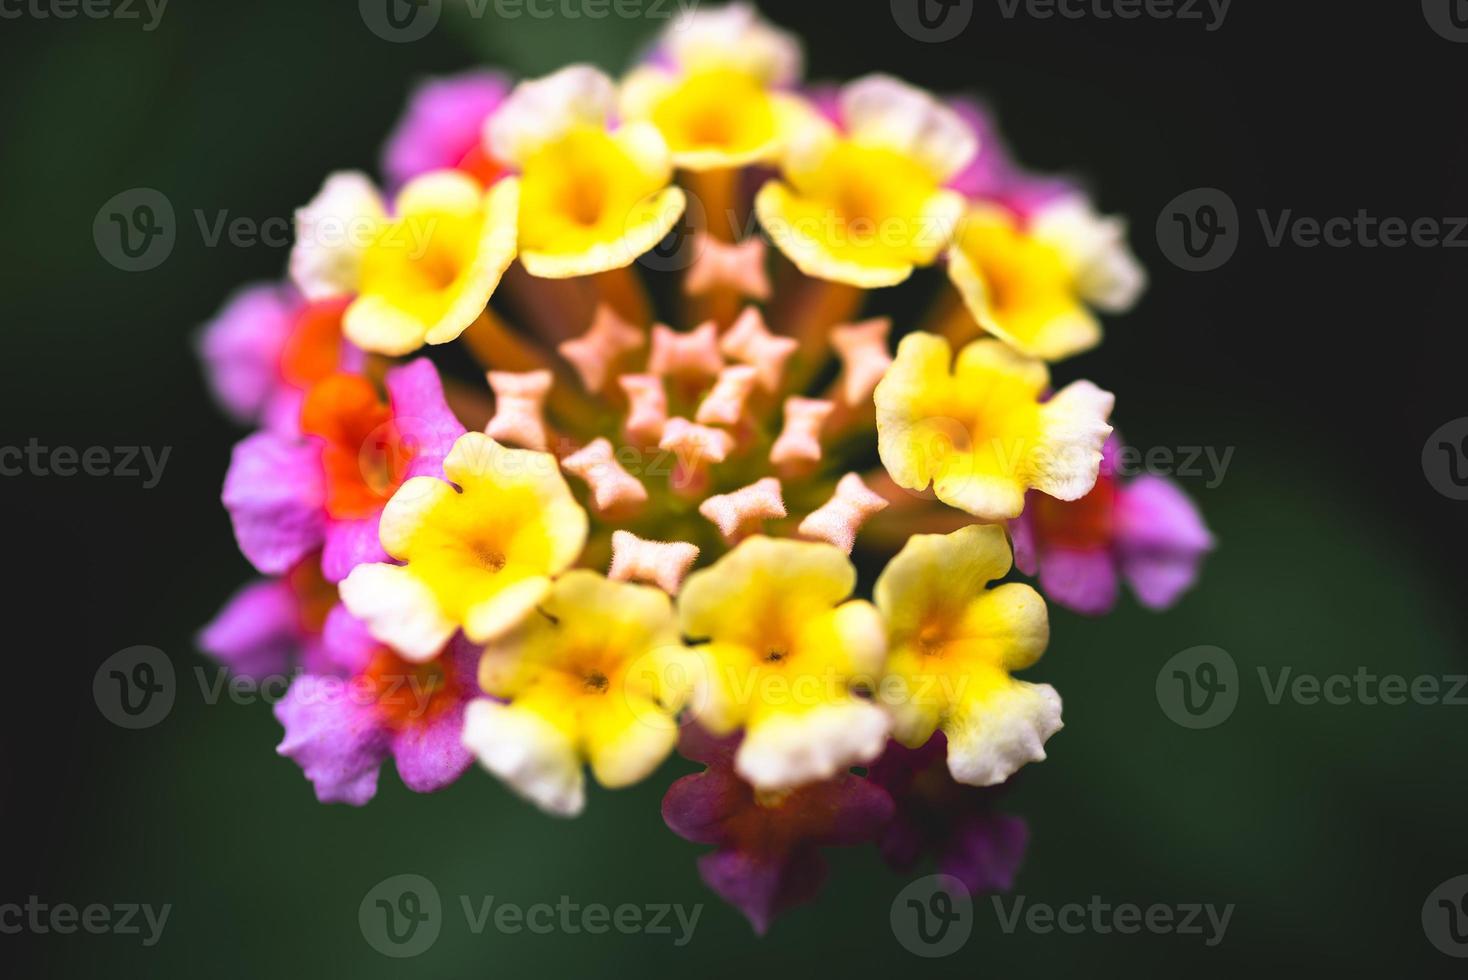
x,y
489,558
407,693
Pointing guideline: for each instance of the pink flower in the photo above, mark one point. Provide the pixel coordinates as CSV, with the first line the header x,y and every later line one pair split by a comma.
x,y
274,624
768,845
341,727
266,346
1146,531
956,823
441,128
289,495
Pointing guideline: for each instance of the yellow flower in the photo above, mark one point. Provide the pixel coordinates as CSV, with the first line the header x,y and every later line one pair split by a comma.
x,y
954,643
590,200
587,679
717,105
867,205
480,550
980,433
782,650
420,276
1030,286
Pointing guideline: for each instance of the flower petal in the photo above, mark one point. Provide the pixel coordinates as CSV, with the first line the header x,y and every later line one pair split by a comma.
x,y
536,759
1161,540
1005,726
331,235
333,737
275,493
442,124
258,632
1082,581
398,609
889,112
542,110
1073,429
242,345
791,748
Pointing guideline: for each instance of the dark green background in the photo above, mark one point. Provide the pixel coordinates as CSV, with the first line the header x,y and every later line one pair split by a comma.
x,y
1325,370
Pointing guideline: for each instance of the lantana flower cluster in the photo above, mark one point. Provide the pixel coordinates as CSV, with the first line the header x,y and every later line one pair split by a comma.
x,y
648,524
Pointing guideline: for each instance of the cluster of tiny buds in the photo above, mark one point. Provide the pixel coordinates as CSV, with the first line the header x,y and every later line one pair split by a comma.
x,y
718,376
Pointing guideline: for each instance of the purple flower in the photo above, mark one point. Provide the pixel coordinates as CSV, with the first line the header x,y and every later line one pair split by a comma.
x,y
272,625
441,128
340,728
265,346
768,845
1145,531
956,823
289,495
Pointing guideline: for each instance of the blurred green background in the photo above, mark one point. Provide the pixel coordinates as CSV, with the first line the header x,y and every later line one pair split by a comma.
x,y
1324,370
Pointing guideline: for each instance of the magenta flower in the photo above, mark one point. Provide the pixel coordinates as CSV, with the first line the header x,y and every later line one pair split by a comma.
x,y
341,727
272,625
956,823
266,346
442,127
994,176
290,495
768,844
1146,531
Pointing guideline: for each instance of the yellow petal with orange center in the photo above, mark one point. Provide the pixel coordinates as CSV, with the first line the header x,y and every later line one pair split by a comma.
x,y
857,213
979,433
481,556
430,270
592,201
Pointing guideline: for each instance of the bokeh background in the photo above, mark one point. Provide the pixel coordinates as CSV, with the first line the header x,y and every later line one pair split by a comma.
x,y
1324,370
